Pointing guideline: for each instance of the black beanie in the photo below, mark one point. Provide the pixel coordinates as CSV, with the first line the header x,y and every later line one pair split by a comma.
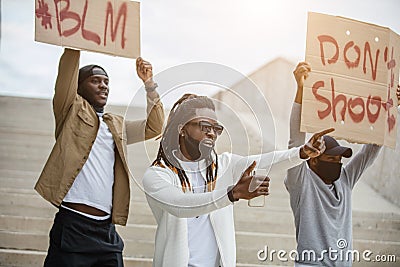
x,y
90,70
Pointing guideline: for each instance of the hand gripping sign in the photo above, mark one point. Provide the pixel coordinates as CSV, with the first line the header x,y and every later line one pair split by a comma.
x,y
106,26
352,86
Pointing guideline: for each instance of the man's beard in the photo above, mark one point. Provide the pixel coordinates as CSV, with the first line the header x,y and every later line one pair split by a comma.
x,y
198,150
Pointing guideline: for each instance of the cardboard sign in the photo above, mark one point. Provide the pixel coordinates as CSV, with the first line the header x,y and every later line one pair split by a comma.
x,y
352,86
106,26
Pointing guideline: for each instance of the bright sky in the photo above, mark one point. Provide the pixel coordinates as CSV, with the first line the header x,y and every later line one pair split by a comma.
x,y
240,34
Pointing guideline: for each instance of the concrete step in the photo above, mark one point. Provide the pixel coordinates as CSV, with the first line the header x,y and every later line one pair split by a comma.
x,y
147,231
248,244
14,184
31,204
32,145
25,143
42,225
38,241
29,198
22,164
13,137
25,151
18,174
24,258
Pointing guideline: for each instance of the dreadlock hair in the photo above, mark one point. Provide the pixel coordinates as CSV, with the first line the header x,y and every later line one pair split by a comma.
x,y
183,111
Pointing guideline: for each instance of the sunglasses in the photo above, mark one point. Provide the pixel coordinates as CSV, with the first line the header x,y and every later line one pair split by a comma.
x,y
206,127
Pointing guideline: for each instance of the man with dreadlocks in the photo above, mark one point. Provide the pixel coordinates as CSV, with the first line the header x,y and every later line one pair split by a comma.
x,y
189,187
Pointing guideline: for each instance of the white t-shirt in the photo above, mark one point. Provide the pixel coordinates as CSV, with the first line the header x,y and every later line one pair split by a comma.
x,y
93,185
203,248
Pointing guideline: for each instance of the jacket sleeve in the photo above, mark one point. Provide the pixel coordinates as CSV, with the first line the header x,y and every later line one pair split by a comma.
x,y
159,188
66,86
141,130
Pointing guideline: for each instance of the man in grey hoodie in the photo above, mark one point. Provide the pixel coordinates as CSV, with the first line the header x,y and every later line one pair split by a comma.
x,y
320,193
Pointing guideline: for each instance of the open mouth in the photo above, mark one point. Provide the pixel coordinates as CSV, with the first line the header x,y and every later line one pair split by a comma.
x,y
103,95
208,142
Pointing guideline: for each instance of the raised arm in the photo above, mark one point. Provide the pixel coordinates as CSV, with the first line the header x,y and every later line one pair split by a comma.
x,y
296,137
360,162
141,130
66,86
365,157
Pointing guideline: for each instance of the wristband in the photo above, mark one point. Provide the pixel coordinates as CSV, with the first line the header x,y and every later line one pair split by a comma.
x,y
230,194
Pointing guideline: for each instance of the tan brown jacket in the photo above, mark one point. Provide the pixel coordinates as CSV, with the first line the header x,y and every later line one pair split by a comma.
x,y
76,130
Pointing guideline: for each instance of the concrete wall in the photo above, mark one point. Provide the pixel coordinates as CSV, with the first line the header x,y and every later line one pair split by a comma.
x,y
271,104
384,175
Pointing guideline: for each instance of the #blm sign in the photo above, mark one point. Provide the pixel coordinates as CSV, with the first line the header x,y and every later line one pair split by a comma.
x,y
106,26
352,86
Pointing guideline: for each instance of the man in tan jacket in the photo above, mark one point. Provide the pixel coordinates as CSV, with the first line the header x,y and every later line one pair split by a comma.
x,y
86,175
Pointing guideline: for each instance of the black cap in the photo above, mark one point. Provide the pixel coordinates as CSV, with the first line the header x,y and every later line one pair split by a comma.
x,y
333,148
90,70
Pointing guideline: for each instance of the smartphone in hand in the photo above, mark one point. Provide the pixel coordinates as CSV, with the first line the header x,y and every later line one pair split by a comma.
x,y
260,200
257,202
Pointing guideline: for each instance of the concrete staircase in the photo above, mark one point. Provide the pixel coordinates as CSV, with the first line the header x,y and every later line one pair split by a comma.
x,y
26,138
